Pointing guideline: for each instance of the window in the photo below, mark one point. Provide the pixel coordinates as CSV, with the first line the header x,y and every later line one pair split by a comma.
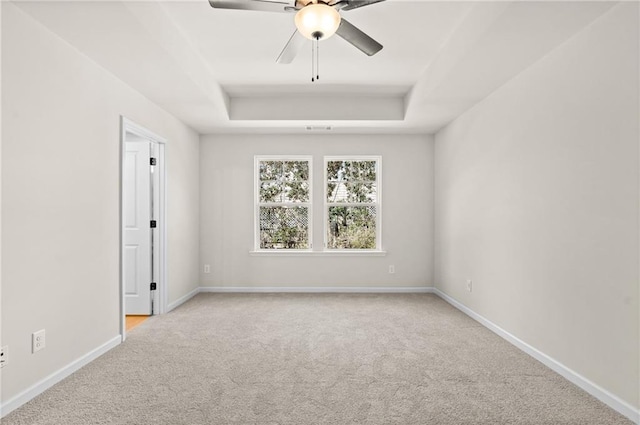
x,y
352,203
283,203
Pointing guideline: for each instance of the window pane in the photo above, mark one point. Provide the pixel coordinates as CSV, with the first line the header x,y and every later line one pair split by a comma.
x,y
362,170
296,170
335,170
352,228
284,228
356,192
270,191
296,192
270,170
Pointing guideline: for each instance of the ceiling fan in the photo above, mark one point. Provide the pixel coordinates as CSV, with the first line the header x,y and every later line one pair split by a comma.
x,y
315,20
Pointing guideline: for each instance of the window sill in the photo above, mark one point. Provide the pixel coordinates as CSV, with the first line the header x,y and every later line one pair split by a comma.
x,y
336,253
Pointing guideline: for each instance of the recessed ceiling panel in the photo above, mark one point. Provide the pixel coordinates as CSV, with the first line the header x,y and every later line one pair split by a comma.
x,y
216,69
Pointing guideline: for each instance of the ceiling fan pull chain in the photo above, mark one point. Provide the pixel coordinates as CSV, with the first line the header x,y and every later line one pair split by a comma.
x,y
317,58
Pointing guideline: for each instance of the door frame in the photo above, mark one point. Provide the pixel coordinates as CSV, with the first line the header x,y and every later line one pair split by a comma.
x,y
129,127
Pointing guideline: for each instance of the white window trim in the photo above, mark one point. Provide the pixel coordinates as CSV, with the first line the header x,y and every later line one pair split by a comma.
x,y
256,203
308,253
325,205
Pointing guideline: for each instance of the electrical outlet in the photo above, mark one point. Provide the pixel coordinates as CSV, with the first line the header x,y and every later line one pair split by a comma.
x,y
392,269
4,356
38,340
207,268
469,285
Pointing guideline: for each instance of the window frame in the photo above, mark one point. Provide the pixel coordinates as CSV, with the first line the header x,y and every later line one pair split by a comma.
x,y
377,204
257,204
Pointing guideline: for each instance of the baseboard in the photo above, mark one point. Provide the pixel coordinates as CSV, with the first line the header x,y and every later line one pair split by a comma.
x,y
320,289
38,388
595,390
183,299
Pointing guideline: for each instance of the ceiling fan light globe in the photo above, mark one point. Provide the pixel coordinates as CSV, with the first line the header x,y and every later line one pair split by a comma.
x,y
317,20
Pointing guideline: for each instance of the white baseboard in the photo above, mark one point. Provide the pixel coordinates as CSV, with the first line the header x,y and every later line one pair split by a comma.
x,y
595,390
183,299
320,289
38,388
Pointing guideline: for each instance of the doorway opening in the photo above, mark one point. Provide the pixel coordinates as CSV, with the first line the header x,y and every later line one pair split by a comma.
x,y
143,284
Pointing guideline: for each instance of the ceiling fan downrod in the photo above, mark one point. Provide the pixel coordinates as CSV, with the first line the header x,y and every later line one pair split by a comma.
x,y
315,56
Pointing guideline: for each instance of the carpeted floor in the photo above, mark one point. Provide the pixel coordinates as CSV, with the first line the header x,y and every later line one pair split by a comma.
x,y
314,359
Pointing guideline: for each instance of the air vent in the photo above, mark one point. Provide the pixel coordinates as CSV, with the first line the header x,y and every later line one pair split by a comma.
x,y
318,128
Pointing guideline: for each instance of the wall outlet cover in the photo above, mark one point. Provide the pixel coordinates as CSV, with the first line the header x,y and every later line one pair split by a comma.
x,y
38,340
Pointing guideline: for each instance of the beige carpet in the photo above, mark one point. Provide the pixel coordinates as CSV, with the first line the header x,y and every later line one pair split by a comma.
x,y
314,359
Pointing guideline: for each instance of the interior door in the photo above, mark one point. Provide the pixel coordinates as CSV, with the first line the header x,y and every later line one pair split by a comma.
x,y
137,207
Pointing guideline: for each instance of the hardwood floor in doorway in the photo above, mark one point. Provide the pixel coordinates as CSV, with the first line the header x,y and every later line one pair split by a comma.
x,y
133,321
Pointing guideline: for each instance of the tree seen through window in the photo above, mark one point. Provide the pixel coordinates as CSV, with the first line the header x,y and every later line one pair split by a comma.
x,y
283,202
352,203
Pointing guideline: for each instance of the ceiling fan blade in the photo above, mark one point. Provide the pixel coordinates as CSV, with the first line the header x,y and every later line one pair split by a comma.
x,y
292,48
358,38
262,5
354,4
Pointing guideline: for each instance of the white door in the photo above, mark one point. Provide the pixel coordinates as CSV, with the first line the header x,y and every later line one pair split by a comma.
x,y
137,215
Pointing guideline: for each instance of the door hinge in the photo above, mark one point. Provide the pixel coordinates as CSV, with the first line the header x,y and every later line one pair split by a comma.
x,y
154,224
152,286
152,161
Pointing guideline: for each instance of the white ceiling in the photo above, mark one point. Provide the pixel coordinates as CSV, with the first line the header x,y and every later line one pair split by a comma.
x,y
215,69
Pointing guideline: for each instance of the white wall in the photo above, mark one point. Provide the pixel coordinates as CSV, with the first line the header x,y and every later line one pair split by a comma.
x,y
60,199
537,202
227,205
